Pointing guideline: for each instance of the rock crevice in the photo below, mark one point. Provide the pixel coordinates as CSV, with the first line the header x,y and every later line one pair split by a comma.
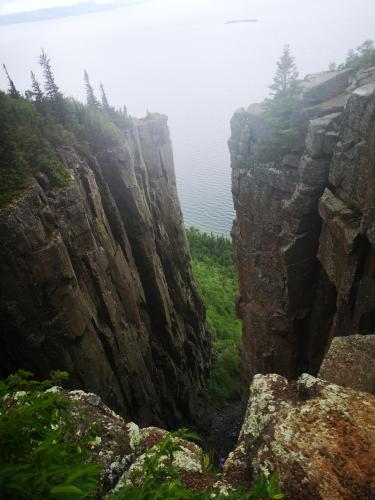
x,y
304,228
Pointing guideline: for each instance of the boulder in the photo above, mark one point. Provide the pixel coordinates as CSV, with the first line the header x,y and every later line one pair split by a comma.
x,y
318,437
350,362
325,85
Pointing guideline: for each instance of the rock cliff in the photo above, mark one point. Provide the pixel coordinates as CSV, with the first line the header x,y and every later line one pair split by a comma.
x,y
96,280
305,225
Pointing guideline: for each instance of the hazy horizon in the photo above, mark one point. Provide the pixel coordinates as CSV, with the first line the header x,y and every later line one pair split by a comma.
x,y
181,59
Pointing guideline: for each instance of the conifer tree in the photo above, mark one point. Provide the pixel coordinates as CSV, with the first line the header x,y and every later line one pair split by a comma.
x,y
52,90
12,91
90,96
286,75
37,90
281,111
105,102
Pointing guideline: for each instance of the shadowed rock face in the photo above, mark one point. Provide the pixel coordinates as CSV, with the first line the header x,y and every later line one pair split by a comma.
x,y
96,280
305,226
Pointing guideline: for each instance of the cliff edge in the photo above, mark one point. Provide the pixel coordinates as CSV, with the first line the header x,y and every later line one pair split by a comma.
x,y
96,279
305,225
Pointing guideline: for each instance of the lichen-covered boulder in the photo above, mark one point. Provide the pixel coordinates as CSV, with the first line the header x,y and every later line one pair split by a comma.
x,y
121,447
350,362
319,437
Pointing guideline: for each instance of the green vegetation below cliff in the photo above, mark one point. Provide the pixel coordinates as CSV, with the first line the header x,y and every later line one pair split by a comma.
x,y
216,278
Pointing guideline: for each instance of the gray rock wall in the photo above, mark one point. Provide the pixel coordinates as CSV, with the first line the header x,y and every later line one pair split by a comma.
x,y
96,280
303,233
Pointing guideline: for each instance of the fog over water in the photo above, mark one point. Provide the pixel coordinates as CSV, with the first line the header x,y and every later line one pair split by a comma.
x,y
181,59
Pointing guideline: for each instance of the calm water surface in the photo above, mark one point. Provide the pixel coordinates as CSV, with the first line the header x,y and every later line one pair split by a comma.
x,y
181,59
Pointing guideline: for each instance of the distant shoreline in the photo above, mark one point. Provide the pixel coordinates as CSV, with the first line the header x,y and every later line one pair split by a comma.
x,y
236,21
50,13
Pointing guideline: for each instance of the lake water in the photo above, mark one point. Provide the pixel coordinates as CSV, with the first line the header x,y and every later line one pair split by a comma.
x,y
181,59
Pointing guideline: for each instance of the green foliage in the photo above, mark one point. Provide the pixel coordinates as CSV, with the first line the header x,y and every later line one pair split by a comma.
x,y
25,148
216,278
41,454
90,96
44,457
360,58
12,91
31,134
281,111
159,479
285,79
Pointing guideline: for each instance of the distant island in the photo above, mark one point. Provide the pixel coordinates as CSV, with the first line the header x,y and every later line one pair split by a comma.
x,y
236,21
56,12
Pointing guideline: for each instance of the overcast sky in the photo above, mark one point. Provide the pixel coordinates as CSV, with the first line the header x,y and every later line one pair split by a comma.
x,y
12,6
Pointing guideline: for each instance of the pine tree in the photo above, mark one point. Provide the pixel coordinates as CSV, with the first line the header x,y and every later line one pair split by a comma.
x,y
281,111
286,75
12,91
105,102
37,90
90,96
52,90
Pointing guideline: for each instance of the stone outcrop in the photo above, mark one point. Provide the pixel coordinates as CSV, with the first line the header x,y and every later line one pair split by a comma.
x,y
96,280
350,362
319,437
304,228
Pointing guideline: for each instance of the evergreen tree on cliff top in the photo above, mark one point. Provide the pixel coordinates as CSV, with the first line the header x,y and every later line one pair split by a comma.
x,y
53,100
90,96
52,90
12,91
37,89
105,102
280,111
285,79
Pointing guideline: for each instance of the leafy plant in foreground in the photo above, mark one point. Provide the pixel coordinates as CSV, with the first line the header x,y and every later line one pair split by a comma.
x,y
159,479
41,455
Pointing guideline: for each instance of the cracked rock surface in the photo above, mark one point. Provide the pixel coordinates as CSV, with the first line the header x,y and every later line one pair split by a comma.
x,y
96,281
304,233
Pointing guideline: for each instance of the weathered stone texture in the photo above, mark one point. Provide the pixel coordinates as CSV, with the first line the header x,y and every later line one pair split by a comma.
x,y
350,362
304,233
96,280
319,437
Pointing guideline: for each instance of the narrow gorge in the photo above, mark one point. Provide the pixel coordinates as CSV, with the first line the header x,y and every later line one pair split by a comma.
x,y
96,281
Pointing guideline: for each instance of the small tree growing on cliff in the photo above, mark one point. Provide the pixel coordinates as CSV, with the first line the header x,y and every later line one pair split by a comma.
x,y
90,96
12,91
52,90
280,111
105,102
285,79
36,88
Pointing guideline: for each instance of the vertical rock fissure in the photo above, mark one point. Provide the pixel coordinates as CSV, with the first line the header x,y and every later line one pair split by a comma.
x,y
304,229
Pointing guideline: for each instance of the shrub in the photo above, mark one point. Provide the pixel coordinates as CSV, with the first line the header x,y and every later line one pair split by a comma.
x,y
41,454
159,479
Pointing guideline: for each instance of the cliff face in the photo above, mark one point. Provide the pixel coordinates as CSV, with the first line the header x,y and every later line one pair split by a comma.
x,y
96,280
305,226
